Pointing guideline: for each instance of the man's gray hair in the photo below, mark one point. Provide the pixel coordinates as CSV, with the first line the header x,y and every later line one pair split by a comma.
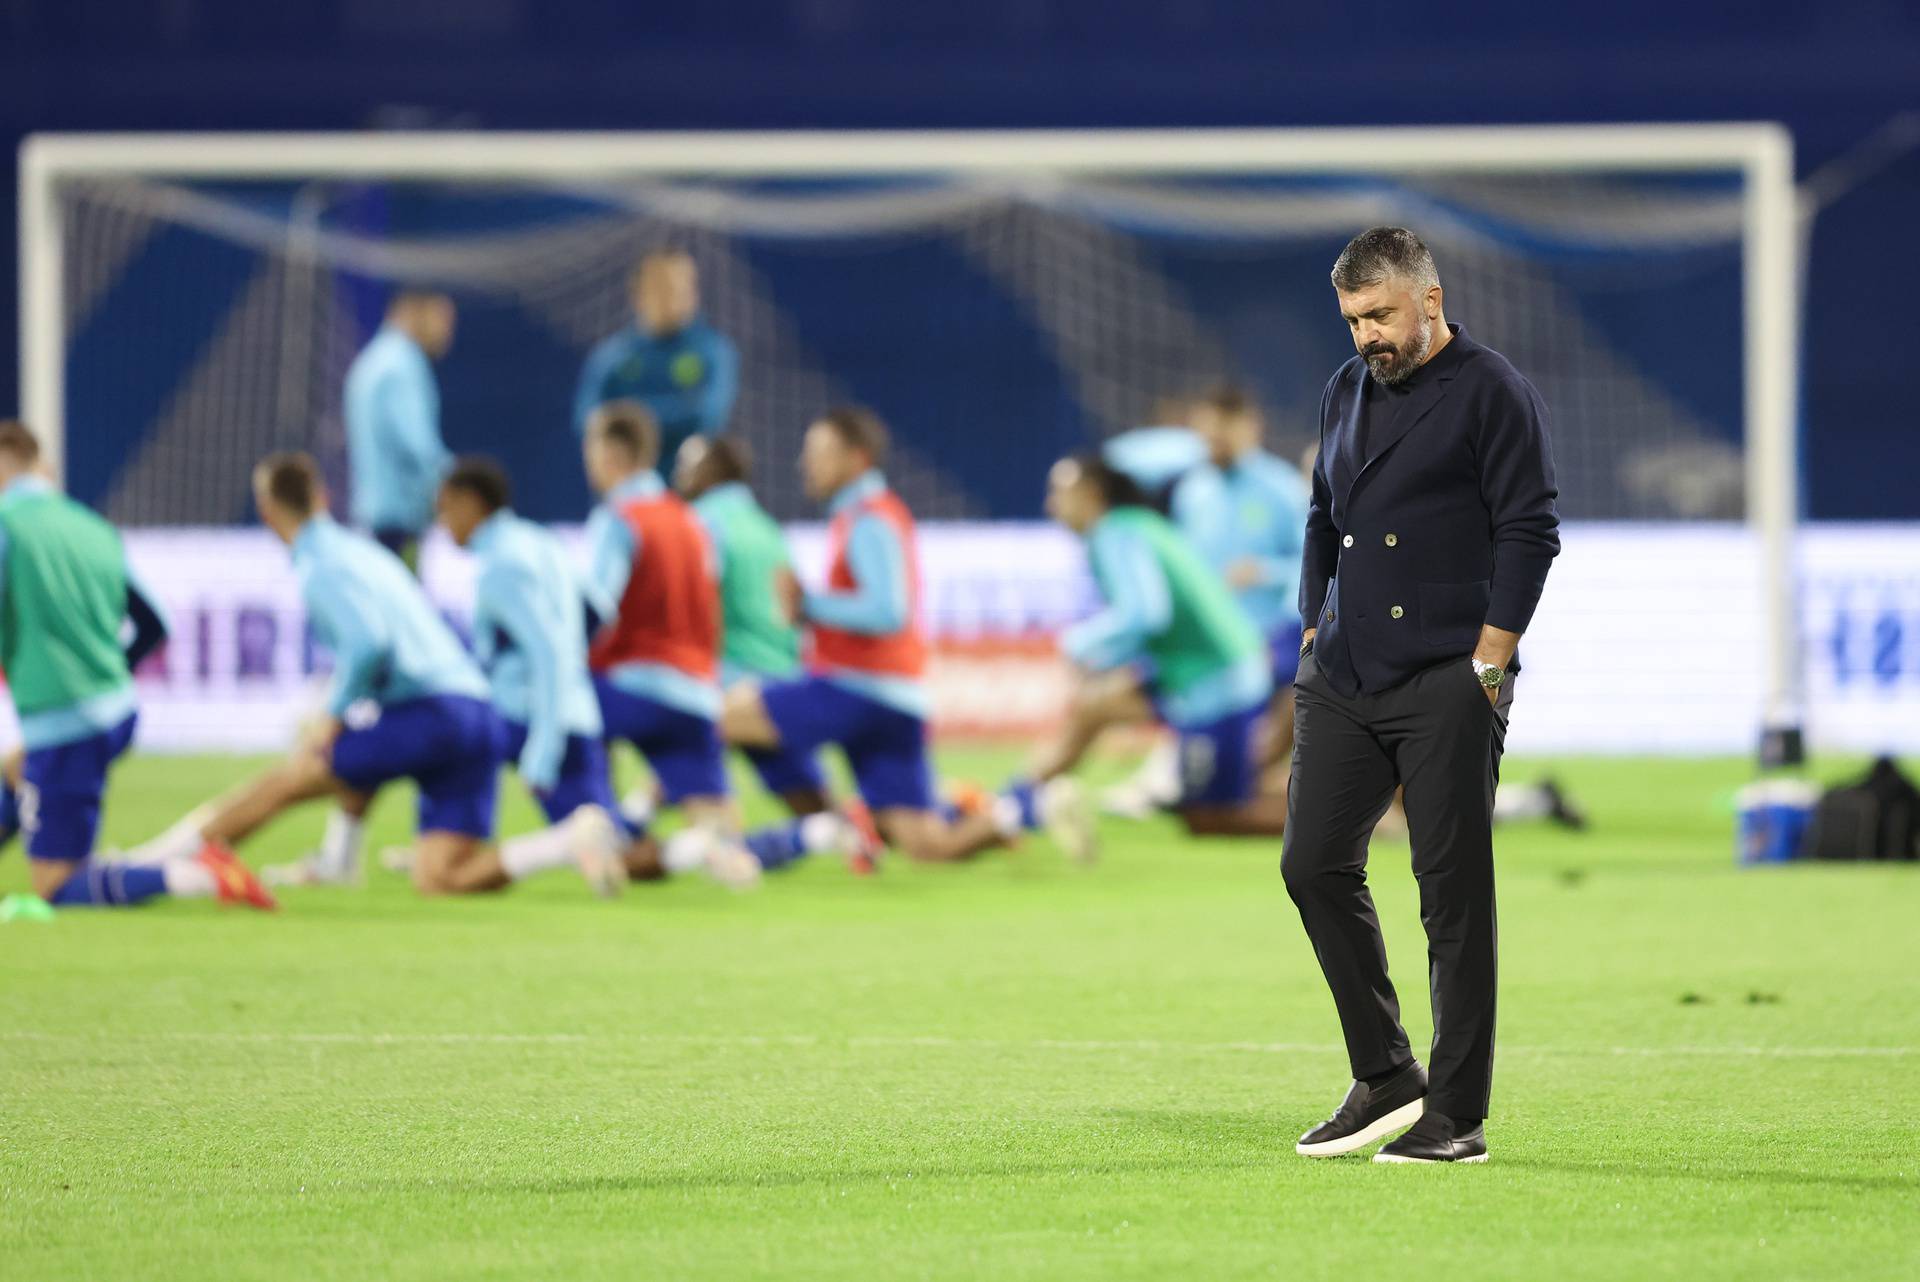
x,y
1380,254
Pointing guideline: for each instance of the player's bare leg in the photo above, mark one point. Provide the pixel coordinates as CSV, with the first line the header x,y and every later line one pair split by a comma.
x,y
456,863
744,722
1264,815
930,837
1098,704
303,776
337,860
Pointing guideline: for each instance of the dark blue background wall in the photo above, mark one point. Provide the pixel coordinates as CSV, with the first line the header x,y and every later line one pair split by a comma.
x,y
1833,72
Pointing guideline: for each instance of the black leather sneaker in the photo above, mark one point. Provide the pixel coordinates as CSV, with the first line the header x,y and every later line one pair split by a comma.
x,y
1367,1114
1434,1138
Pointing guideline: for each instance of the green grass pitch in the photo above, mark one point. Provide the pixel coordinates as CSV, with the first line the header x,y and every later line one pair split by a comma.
x,y
1009,1070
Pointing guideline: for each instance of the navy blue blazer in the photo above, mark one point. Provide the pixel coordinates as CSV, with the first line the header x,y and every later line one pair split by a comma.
x,y
1448,523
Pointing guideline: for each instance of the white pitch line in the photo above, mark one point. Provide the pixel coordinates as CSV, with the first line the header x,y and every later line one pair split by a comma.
x,y
923,1042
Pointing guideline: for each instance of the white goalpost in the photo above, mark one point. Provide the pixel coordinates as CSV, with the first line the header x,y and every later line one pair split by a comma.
x,y
1759,155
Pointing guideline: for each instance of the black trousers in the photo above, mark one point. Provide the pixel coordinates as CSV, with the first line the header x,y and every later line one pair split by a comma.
x,y
1438,737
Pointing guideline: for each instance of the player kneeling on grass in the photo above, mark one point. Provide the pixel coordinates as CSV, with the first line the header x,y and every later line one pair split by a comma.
x,y
1171,614
654,579
430,719
65,592
530,634
865,690
758,641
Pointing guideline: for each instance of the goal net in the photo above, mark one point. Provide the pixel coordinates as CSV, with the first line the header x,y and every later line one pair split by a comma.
x,y
1001,303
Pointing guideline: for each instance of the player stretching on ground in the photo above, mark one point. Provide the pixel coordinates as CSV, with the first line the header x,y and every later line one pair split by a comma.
x,y
1244,510
65,591
429,716
1167,612
652,582
757,640
530,636
865,690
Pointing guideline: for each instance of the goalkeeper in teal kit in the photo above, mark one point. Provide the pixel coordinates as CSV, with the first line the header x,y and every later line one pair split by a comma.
x,y
682,369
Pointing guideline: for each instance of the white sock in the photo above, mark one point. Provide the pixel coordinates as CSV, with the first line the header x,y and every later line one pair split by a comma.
x,y
637,807
686,850
341,844
541,851
187,879
180,842
1159,775
824,831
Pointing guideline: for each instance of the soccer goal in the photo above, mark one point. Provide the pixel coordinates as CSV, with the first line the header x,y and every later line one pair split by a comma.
x,y
191,301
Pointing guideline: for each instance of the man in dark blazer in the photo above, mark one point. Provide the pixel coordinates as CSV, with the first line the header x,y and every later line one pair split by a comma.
x,y
1430,533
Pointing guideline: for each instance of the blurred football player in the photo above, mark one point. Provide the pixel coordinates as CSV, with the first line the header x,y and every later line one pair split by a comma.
x,y
395,457
758,641
653,585
530,637
865,687
406,702
66,594
684,371
1171,645
1244,510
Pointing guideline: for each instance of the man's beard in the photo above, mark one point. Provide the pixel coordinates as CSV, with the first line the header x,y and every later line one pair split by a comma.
x,y
1391,365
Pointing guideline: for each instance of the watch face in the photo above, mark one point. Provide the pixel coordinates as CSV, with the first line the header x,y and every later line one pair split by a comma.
x,y
1491,676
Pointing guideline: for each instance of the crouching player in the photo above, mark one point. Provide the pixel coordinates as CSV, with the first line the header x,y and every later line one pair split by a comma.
x,y
431,720
865,690
65,591
530,636
758,642
652,584
1170,645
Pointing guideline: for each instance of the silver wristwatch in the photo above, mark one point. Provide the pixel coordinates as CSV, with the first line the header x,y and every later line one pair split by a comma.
x,y
1491,674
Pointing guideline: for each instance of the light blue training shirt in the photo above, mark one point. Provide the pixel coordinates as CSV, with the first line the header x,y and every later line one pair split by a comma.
x,y
394,452
530,636
1254,510
389,644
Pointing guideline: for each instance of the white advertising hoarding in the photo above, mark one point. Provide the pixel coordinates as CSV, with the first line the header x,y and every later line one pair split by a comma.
x,y
1647,639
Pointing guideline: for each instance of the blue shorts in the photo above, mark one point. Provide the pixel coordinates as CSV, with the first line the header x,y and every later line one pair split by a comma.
x,y
683,750
1284,649
58,803
783,770
1218,765
583,777
886,748
448,744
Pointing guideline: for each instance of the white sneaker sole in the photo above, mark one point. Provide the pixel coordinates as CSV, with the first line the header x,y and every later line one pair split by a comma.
x,y
1395,1159
596,851
1404,1116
